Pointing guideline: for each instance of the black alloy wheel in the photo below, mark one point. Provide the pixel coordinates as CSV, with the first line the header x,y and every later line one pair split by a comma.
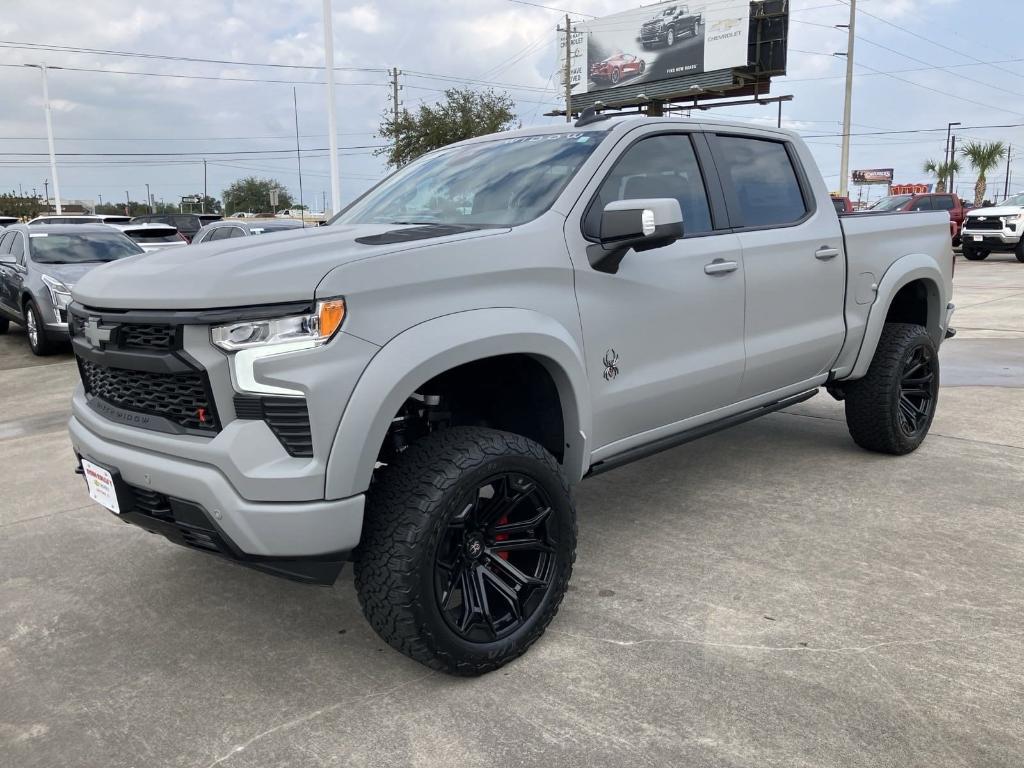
x,y
917,391
495,559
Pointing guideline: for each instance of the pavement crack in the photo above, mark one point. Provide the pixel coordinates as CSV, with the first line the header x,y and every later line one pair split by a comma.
x,y
239,748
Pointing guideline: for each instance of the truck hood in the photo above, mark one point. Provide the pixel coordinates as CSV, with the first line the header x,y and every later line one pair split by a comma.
x,y
264,269
998,210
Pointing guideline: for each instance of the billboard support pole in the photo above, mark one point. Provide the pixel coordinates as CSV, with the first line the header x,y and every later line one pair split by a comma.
x,y
568,69
844,171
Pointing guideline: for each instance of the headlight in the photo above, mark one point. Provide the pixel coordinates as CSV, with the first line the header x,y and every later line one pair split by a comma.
x,y
290,333
60,294
1014,218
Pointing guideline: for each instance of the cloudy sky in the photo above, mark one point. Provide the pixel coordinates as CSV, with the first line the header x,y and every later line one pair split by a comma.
x,y
921,64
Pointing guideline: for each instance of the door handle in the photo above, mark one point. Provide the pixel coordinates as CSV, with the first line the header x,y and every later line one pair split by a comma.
x,y
825,253
720,267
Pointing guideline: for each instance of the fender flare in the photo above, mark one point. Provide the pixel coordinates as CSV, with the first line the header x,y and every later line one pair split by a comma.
x,y
426,350
905,270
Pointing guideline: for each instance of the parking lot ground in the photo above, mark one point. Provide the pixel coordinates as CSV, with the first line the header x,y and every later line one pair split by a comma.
x,y
768,596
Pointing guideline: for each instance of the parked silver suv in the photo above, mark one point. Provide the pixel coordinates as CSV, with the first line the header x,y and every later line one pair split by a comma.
x,y
39,265
418,386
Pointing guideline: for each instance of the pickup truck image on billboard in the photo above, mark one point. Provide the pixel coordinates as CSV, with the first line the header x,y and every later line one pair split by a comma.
x,y
660,42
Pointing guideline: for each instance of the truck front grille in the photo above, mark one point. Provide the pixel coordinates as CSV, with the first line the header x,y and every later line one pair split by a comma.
x,y
989,222
181,398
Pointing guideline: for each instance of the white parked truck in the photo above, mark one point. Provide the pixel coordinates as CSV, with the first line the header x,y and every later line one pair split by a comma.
x,y
418,386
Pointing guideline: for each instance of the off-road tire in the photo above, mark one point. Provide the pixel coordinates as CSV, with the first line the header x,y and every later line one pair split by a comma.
x,y
43,344
409,509
973,254
1019,251
5,325
873,402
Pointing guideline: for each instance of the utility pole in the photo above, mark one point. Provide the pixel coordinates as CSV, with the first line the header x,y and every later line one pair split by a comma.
x,y
127,204
1006,185
49,135
395,88
101,199
298,153
46,189
149,199
203,205
844,165
568,69
949,133
332,126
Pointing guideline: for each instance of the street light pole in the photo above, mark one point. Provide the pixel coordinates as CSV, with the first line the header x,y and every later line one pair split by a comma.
x,y
49,134
949,158
844,165
332,125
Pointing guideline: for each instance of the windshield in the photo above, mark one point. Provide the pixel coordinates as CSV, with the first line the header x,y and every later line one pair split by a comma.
x,y
154,235
1017,199
499,183
890,203
53,248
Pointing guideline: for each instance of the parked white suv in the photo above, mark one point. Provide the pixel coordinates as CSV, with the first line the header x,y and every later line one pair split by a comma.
x,y
999,228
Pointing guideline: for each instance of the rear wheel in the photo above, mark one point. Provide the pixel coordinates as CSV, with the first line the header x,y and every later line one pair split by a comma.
x,y
615,76
1019,251
467,549
890,410
670,38
38,341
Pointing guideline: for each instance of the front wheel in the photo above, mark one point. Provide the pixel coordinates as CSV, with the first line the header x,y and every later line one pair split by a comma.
x,y
670,38
973,254
38,341
890,410
1019,251
468,545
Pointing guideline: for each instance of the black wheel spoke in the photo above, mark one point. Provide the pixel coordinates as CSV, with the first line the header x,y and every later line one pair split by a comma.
x,y
517,578
523,525
472,599
522,545
507,593
453,577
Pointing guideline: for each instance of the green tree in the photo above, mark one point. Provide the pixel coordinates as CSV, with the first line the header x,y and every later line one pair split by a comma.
x,y
941,171
19,205
983,157
463,114
130,208
252,194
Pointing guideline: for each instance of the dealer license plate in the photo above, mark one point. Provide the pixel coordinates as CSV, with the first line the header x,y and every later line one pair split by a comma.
x,y
101,486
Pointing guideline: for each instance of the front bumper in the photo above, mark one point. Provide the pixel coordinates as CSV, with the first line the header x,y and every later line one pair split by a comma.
x,y
252,529
1004,239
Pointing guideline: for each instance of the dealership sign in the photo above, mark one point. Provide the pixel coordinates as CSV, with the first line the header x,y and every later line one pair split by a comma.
x,y
657,42
873,176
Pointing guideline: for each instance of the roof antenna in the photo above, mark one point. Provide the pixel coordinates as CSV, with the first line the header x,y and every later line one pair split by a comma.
x,y
588,116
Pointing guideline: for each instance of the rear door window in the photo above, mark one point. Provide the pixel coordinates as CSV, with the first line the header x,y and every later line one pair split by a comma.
x,y
943,203
921,204
765,188
5,243
18,247
221,233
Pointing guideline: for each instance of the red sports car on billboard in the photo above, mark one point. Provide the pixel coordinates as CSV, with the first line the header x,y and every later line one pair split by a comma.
x,y
616,68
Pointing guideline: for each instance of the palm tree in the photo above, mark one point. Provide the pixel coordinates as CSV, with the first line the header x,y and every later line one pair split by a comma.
x,y
983,157
942,171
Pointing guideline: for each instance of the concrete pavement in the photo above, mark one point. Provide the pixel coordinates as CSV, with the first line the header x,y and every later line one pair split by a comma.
x,y
768,596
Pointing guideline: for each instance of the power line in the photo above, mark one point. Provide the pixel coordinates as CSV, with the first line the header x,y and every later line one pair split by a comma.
x,y
139,55
181,154
552,8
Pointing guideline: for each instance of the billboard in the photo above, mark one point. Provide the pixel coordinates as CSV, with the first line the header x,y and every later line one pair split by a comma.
x,y
873,176
658,42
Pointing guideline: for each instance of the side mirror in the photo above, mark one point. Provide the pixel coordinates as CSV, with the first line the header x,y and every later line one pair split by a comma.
x,y
638,225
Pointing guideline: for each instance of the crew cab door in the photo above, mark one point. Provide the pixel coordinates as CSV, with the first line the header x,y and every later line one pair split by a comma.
x,y
793,258
663,336
12,275
5,269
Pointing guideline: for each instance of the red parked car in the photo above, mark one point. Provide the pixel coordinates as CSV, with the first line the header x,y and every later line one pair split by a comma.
x,y
842,204
616,68
932,201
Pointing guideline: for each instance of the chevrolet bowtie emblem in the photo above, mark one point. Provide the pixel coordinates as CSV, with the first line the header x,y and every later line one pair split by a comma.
x,y
94,333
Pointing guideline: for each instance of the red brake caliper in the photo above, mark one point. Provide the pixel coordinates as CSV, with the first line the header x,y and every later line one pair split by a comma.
x,y
502,536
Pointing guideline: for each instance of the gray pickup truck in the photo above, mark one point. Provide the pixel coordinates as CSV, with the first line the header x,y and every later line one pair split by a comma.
x,y
418,386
